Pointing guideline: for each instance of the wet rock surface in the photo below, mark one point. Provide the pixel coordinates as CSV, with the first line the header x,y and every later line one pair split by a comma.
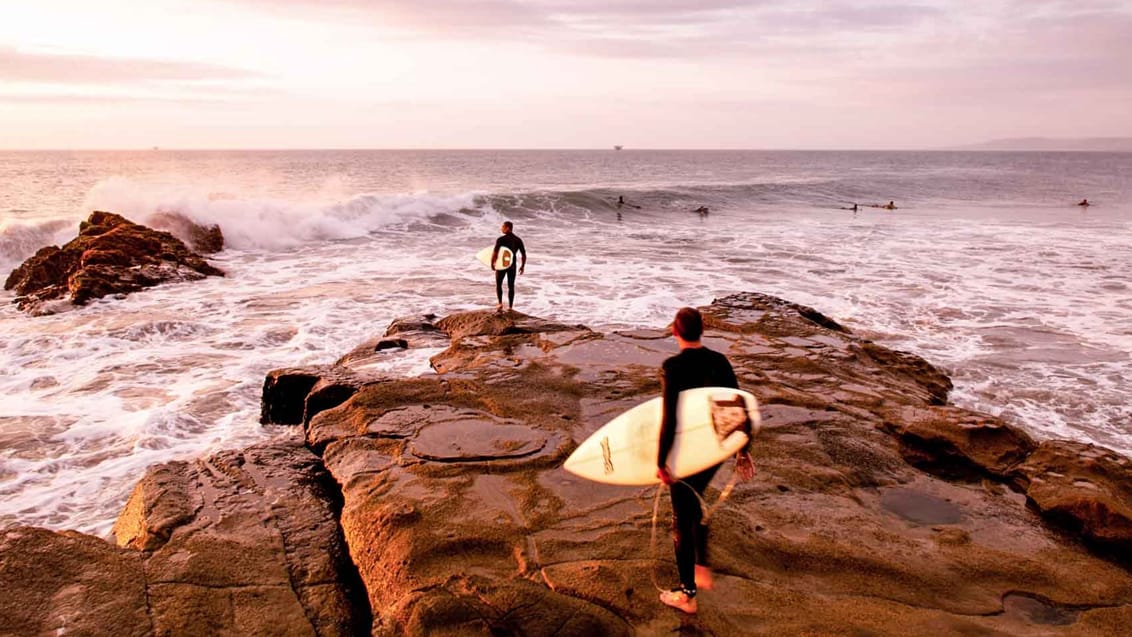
x,y
1085,487
242,543
877,509
70,584
111,255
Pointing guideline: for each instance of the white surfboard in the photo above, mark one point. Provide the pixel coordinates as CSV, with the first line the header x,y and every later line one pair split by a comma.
x,y
503,260
624,450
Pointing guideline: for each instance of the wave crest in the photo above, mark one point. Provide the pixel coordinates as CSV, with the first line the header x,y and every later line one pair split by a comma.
x,y
18,241
271,223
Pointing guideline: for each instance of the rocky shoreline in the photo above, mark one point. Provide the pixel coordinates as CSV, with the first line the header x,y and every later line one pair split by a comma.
x,y
437,505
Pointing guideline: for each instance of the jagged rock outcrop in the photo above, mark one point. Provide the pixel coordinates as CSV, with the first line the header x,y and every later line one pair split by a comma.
x,y
111,255
1084,486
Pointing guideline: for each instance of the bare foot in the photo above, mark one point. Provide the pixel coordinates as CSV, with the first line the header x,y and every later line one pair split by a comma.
x,y
679,600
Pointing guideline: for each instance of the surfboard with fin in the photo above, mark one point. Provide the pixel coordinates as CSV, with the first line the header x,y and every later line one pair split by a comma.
x,y
714,423
503,260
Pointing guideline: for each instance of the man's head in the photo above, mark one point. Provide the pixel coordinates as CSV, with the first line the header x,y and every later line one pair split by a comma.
x,y
688,324
506,227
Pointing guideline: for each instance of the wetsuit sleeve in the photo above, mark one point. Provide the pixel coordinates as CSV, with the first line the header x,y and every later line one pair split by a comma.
x,y
727,374
495,250
670,395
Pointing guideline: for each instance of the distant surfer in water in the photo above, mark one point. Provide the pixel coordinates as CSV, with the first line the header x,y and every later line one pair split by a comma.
x,y
695,366
1085,203
703,210
621,203
513,243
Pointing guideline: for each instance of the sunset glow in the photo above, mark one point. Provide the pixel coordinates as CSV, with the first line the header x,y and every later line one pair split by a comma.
x,y
552,73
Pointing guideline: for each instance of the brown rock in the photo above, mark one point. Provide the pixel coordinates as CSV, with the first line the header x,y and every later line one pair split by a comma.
x,y
283,401
453,493
111,255
245,542
755,312
481,323
70,584
460,520
1086,487
958,443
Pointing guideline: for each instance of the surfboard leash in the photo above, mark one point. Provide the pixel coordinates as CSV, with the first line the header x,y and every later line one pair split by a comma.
x,y
723,495
652,536
708,511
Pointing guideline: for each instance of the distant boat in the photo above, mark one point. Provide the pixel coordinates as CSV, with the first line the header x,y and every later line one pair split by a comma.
x,y
617,147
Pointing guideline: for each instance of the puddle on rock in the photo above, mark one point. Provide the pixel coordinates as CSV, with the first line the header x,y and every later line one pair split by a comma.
x,y
919,507
599,353
1037,610
475,440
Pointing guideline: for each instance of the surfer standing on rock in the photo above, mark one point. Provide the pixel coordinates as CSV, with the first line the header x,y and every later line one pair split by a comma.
x,y
694,366
513,243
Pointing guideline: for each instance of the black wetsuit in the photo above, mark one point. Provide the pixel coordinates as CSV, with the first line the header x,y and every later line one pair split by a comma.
x,y
691,368
515,245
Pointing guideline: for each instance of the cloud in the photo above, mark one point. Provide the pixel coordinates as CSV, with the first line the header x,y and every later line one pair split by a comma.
x,y
213,96
627,28
1083,49
17,66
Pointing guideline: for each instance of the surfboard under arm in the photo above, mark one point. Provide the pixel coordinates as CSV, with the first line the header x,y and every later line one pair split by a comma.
x,y
503,260
624,450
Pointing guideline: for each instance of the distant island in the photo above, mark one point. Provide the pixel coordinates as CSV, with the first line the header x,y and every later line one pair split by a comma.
x,y
1106,144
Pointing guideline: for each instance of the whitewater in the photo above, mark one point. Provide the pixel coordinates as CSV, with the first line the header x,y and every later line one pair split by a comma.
x,y
986,269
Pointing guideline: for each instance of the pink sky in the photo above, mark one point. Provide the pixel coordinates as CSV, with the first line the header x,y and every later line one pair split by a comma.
x,y
560,74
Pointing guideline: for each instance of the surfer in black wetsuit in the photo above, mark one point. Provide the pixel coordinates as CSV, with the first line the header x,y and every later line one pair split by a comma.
x,y
695,366
515,245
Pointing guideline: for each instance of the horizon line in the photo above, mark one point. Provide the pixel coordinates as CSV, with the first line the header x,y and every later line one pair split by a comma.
x,y
964,148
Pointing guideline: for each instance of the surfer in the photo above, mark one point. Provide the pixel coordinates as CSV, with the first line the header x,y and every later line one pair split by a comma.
x,y
1085,203
513,243
703,210
694,366
622,203
890,206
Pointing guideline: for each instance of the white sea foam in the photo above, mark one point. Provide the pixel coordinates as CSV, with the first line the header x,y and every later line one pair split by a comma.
x,y
19,239
264,222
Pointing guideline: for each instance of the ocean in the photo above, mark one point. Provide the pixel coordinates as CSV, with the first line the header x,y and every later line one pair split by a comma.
x,y
986,269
